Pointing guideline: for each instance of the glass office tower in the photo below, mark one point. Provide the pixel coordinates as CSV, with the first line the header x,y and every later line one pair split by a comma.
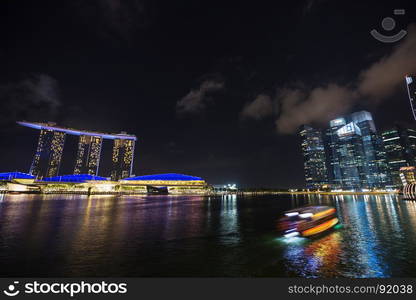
x,y
122,159
314,157
400,145
334,170
348,156
376,167
88,155
48,154
357,156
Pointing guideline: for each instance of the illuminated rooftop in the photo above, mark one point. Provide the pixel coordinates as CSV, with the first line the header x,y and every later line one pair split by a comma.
x,y
15,175
166,177
73,178
52,126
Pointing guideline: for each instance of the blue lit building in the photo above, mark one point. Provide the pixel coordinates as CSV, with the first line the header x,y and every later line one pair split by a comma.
x,y
313,149
73,178
15,175
347,155
356,153
333,151
376,168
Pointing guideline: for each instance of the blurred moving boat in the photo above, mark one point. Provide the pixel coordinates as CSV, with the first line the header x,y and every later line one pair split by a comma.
x,y
307,221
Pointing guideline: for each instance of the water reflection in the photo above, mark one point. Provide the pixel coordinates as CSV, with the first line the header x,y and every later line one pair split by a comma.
x,y
64,235
313,258
377,239
229,220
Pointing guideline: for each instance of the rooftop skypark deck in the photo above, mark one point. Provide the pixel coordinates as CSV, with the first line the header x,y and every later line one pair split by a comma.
x,y
72,131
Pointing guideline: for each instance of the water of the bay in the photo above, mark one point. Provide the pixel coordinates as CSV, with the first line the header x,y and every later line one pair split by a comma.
x,y
195,236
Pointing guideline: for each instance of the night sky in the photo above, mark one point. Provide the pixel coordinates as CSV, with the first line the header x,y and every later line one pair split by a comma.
x,y
215,89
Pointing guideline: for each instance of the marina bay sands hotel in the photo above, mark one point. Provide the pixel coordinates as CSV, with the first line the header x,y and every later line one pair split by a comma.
x,y
51,142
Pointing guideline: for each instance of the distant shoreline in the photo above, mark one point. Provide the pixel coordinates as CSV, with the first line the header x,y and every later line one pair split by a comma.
x,y
213,193
316,193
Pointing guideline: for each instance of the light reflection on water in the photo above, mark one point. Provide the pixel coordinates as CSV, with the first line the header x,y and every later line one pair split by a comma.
x,y
314,258
75,235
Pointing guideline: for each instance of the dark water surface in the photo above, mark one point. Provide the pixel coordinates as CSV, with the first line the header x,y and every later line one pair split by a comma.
x,y
65,235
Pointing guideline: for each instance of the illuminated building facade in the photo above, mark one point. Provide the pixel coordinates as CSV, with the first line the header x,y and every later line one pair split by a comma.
x,y
334,167
122,159
171,183
400,146
51,143
313,149
347,155
90,184
408,175
376,166
411,90
356,153
88,155
48,154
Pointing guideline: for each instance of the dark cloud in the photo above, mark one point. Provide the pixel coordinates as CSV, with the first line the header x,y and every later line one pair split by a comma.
x,y
382,78
196,100
261,107
302,105
320,105
35,98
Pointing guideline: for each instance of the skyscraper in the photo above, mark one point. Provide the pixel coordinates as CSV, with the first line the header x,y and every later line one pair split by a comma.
x,y
376,167
411,90
348,157
122,159
314,157
334,168
400,145
88,155
48,154
357,156
51,143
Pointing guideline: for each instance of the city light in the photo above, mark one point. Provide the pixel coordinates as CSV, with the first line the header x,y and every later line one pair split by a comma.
x,y
47,159
351,157
164,139
291,214
291,234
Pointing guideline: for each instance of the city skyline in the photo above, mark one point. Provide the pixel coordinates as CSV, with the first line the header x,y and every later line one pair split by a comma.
x,y
170,140
351,154
376,159
219,93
